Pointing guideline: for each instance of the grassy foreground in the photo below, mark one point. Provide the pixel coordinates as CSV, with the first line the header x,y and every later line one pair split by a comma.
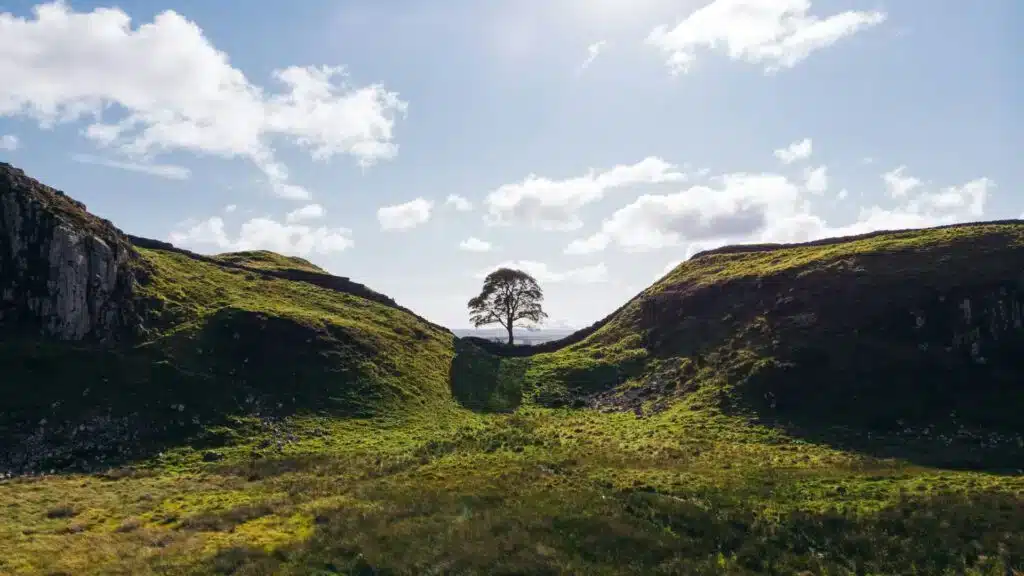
x,y
541,491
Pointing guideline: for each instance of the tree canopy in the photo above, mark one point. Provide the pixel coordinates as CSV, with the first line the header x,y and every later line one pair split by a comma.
x,y
508,296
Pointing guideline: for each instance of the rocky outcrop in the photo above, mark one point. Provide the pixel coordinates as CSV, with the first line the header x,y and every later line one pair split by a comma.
x,y
64,273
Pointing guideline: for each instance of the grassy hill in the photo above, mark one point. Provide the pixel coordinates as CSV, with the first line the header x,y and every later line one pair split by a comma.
x,y
218,343
832,408
865,331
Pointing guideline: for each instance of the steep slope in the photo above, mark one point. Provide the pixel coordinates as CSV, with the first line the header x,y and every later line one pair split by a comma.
x,y
884,329
114,346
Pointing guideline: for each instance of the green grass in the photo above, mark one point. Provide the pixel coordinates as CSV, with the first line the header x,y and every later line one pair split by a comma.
x,y
539,491
376,444
265,260
393,361
220,343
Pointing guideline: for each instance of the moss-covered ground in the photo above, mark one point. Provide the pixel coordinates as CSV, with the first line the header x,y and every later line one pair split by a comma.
x,y
408,452
540,491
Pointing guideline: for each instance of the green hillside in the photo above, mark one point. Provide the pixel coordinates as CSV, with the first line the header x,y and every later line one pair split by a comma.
x,y
220,343
865,331
832,408
264,260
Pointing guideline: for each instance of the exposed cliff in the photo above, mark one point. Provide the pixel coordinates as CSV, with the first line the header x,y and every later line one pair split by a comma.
x,y
63,272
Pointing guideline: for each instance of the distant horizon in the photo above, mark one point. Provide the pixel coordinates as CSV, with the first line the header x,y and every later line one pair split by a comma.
x,y
516,330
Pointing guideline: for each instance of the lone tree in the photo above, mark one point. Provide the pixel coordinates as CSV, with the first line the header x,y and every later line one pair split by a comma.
x,y
508,296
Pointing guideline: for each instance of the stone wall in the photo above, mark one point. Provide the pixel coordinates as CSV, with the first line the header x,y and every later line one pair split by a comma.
x,y
63,272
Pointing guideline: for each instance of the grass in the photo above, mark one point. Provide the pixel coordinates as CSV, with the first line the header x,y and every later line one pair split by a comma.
x,y
539,491
220,343
265,260
326,434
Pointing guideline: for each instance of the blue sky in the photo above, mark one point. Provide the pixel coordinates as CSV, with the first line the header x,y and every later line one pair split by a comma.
x,y
593,143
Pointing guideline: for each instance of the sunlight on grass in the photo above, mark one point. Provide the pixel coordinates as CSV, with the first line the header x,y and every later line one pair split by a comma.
x,y
542,489
308,431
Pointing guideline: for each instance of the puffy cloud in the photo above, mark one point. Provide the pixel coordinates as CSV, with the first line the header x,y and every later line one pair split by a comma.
x,y
552,204
169,171
230,208
898,183
307,212
459,203
539,270
9,142
816,179
775,33
172,90
740,206
766,208
262,234
799,150
593,51
968,199
404,216
475,245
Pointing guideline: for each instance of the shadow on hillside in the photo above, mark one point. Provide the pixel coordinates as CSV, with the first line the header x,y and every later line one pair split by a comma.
x,y
483,382
79,407
954,415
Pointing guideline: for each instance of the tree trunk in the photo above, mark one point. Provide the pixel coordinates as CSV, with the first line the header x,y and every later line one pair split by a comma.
x,y
510,335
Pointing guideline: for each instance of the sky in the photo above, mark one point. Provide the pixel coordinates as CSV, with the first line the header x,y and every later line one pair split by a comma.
x,y
415,145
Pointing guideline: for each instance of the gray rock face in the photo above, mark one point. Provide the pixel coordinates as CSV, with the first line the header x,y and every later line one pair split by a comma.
x,y
63,272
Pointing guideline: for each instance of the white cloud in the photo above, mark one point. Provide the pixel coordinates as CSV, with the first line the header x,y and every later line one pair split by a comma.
x,y
816,179
552,204
174,90
968,199
9,142
404,216
475,245
262,234
740,206
230,208
540,271
744,208
843,194
593,51
775,33
277,178
460,203
898,184
307,212
799,150
169,171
